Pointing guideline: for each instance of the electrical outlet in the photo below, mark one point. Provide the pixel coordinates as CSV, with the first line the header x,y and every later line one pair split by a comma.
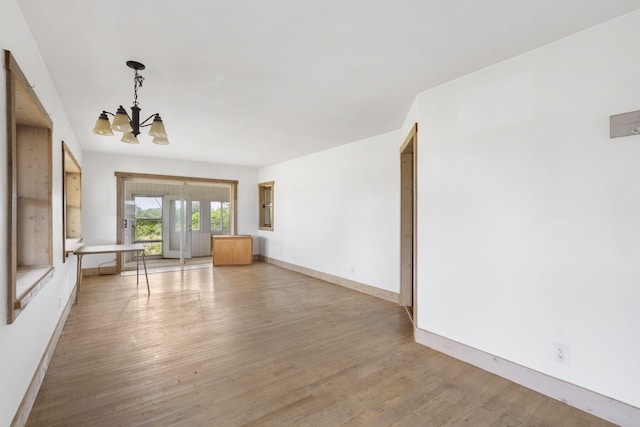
x,y
561,353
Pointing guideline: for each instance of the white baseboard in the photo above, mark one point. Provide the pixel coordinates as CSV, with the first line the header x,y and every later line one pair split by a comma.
x,y
336,280
586,400
22,414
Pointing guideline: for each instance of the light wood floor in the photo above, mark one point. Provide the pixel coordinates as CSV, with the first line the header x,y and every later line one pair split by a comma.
x,y
263,346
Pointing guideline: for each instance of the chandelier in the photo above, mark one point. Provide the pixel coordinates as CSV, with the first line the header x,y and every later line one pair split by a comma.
x,y
130,125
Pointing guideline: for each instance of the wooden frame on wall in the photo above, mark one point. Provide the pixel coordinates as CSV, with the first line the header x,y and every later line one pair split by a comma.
x,y
29,185
71,203
409,222
265,205
123,177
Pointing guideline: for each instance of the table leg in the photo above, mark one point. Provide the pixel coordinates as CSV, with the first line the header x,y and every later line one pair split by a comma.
x,y
144,263
78,276
137,270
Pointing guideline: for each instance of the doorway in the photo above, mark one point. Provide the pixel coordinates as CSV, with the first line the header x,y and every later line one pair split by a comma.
x,y
173,217
408,223
147,223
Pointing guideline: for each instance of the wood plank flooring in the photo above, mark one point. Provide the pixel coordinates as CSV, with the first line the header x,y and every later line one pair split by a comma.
x,y
263,346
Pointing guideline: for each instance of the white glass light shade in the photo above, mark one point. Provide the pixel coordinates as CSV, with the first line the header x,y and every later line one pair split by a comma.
x,y
129,138
103,127
121,121
157,128
160,141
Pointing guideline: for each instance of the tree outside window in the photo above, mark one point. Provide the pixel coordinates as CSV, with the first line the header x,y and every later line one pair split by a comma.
x,y
195,215
220,215
148,223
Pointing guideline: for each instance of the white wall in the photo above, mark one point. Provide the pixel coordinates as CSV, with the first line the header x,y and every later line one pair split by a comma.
x,y
99,193
338,211
529,215
529,223
23,342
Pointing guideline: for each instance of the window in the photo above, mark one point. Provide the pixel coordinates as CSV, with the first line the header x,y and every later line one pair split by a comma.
x,y
29,177
148,223
195,215
265,193
178,207
220,217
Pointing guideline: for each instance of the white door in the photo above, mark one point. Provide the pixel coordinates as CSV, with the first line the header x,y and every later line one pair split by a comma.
x,y
177,225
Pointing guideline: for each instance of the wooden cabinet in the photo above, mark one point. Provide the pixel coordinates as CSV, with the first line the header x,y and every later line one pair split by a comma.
x,y
232,250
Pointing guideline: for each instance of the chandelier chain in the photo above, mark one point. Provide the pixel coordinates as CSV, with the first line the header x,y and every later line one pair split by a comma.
x,y
137,82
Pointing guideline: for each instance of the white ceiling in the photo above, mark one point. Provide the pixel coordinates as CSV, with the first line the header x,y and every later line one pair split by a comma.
x,y
257,82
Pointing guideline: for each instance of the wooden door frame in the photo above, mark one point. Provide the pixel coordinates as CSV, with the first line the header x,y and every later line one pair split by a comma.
x,y
123,177
408,221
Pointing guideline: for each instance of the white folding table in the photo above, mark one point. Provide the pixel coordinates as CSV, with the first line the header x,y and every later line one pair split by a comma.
x,y
111,249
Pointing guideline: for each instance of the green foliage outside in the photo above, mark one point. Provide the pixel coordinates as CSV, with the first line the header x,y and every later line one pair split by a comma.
x,y
220,215
149,229
148,226
195,216
152,213
154,248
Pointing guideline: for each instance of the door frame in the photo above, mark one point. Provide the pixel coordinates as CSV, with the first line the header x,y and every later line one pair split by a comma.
x,y
408,222
132,221
123,177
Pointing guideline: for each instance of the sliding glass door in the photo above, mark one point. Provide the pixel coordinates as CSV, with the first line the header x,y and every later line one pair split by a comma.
x,y
178,227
